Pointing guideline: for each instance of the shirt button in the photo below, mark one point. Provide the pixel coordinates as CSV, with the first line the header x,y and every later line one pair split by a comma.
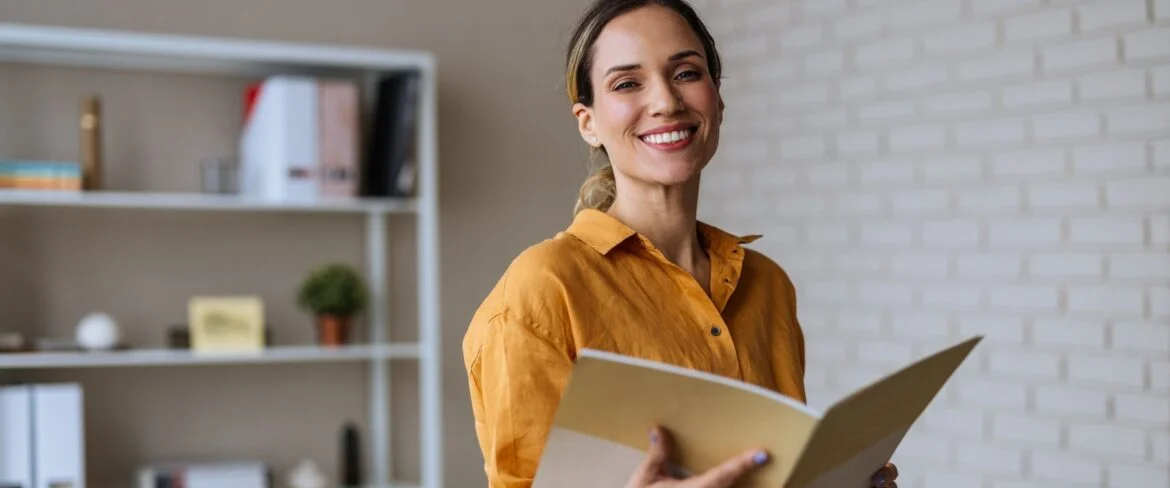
x,y
715,330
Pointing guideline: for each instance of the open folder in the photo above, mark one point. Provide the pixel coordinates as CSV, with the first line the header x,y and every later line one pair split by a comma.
x,y
600,431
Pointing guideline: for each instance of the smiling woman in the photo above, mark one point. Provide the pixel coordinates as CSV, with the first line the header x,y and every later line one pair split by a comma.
x,y
677,82
635,272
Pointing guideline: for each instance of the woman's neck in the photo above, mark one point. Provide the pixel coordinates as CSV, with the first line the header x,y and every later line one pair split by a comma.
x,y
665,216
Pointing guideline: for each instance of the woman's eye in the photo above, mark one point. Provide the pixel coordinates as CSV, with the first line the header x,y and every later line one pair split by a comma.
x,y
625,85
689,75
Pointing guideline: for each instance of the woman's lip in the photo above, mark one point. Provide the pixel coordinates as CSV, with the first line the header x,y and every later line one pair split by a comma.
x,y
669,128
669,146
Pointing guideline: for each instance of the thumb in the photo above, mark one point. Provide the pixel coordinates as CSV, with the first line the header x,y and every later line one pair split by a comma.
x,y
657,456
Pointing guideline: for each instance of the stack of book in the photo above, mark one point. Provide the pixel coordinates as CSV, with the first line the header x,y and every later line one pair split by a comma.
x,y
39,175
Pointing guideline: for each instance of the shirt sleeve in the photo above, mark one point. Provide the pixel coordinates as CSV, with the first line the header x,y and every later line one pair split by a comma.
x,y
520,377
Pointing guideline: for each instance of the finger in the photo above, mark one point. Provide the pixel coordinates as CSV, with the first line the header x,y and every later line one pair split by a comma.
x,y
726,474
656,457
884,476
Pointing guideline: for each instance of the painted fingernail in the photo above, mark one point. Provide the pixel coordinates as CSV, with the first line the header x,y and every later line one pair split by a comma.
x,y
880,480
760,457
653,437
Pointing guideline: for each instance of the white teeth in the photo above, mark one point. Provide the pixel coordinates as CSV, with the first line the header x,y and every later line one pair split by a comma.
x,y
667,137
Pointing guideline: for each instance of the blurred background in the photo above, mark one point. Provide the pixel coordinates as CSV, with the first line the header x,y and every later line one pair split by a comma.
x,y
926,170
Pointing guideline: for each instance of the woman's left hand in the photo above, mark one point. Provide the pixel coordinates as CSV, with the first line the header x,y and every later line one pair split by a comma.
x,y
885,477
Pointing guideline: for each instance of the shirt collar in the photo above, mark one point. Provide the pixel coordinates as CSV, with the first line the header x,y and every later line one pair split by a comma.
x,y
603,232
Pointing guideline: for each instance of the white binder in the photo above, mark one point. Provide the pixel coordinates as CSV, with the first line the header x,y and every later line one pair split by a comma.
x,y
16,466
58,436
278,145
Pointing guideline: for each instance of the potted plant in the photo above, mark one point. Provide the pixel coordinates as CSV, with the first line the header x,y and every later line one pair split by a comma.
x,y
334,294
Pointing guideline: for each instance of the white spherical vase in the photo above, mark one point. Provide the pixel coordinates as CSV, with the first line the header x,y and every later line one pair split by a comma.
x,y
306,475
97,332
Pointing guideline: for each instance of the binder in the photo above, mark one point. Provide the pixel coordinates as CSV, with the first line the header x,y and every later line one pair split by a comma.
x,y
279,142
58,436
42,437
16,436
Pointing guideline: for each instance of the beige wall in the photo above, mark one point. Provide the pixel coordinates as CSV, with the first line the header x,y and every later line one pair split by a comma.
x,y
510,164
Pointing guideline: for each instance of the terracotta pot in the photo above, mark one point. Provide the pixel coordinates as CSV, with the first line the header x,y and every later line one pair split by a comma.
x,y
332,330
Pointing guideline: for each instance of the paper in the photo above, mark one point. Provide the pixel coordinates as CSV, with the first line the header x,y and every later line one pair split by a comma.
x,y
599,434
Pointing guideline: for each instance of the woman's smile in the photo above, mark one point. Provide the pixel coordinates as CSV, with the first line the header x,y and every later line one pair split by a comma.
x,y
669,138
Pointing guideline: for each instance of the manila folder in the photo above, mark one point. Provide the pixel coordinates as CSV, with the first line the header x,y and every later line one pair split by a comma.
x,y
600,431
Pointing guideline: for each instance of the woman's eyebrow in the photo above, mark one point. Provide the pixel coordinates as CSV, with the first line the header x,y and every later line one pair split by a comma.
x,y
674,57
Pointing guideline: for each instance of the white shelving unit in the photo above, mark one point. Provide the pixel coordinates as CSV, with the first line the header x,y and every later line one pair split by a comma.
x,y
237,57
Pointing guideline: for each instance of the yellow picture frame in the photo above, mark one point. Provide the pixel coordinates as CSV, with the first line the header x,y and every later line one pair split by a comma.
x,y
226,324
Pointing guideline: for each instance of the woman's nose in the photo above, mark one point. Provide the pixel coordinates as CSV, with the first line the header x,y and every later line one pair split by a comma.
x,y
665,100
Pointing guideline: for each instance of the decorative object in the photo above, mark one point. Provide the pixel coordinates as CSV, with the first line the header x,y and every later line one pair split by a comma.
x,y
351,464
98,331
226,323
179,336
53,344
13,342
219,176
306,475
334,294
91,143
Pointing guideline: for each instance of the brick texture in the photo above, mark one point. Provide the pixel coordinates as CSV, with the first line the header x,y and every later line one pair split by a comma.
x,y
926,170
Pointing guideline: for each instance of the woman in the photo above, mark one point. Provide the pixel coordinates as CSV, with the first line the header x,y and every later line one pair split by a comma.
x,y
635,272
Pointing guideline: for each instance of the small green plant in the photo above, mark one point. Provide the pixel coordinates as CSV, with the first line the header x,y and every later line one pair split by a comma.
x,y
333,289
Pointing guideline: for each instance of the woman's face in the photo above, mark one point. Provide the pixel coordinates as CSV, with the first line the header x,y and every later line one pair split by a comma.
x,y
656,109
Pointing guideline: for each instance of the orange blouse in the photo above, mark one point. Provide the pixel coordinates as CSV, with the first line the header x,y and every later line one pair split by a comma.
x,y
601,285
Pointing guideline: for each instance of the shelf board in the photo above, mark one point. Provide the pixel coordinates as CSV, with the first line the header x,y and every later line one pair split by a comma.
x,y
68,46
201,201
170,357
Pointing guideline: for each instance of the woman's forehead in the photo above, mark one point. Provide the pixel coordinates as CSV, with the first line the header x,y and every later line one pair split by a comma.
x,y
647,34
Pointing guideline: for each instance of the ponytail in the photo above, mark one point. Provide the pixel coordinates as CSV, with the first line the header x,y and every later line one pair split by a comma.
x,y
598,191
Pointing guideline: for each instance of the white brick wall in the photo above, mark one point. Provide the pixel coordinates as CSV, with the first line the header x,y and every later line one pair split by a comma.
x,y
931,169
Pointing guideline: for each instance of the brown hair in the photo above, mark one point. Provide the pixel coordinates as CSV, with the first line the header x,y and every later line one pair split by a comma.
x,y
599,189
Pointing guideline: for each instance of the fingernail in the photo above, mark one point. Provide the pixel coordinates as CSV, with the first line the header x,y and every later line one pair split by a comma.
x,y
653,437
760,457
880,480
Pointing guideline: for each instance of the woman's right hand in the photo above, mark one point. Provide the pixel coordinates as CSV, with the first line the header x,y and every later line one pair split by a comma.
x,y
655,471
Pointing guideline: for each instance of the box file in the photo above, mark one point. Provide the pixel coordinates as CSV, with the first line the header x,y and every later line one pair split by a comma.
x,y
42,438
16,436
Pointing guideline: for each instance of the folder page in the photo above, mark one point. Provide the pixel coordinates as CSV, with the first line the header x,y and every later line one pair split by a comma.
x,y
600,432
860,433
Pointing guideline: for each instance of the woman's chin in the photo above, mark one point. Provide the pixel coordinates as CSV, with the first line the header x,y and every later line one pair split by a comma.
x,y
673,178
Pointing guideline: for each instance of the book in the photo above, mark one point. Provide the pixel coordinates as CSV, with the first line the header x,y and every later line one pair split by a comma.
x,y
40,175
389,169
206,474
600,430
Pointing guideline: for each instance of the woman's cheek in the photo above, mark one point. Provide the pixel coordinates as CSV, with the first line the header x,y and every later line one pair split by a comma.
x,y
620,117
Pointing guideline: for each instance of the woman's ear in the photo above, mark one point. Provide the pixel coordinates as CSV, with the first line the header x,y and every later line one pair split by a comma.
x,y
585,124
